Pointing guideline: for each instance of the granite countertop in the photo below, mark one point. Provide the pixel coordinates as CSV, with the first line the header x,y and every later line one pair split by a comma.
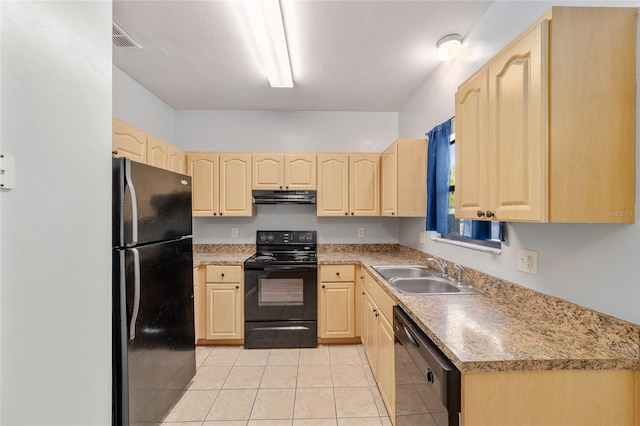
x,y
507,328
490,333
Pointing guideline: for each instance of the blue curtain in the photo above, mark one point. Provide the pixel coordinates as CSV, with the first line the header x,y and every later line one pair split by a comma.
x,y
438,178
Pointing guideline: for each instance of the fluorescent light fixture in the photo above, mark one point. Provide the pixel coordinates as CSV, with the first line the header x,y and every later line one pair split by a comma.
x,y
265,21
449,47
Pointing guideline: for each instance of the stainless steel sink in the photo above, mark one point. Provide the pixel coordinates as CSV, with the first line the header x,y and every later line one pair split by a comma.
x,y
432,285
415,279
409,271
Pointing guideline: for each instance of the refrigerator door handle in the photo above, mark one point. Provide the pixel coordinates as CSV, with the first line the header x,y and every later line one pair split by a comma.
x,y
136,293
134,204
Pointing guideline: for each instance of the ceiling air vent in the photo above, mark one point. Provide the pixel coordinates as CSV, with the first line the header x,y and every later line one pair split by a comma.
x,y
122,39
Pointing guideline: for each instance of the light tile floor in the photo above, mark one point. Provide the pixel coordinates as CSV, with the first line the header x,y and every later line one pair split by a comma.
x,y
327,385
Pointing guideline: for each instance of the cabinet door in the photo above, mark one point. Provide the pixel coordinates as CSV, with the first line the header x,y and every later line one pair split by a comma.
x,y
300,171
370,332
364,185
157,152
224,311
518,131
199,302
268,171
177,160
235,185
127,141
386,364
471,178
333,185
203,168
389,197
337,318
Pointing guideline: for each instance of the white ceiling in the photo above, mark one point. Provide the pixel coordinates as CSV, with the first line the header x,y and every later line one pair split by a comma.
x,y
346,55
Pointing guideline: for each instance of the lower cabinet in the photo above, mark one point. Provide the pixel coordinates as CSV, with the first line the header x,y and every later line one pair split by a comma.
x,y
199,302
378,340
224,303
337,301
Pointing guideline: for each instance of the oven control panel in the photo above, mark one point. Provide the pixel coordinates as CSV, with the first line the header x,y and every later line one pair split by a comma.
x,y
286,237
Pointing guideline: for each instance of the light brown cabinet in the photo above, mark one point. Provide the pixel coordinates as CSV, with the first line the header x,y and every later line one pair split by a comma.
x,y
127,141
157,152
139,146
199,302
560,123
221,184
348,185
177,161
404,178
336,301
378,340
277,171
224,303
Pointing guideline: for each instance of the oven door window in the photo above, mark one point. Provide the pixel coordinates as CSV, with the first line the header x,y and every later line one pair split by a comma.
x,y
280,292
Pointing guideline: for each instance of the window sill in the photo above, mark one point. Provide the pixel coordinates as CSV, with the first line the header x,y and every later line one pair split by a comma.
x,y
437,238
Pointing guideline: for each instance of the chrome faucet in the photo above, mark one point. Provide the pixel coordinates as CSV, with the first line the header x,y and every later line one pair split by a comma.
x,y
441,265
459,277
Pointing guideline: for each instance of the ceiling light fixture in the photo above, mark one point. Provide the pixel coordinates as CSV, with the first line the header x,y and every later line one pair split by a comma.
x,y
267,26
449,47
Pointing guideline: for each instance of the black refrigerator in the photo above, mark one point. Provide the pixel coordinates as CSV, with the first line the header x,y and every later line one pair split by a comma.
x,y
153,332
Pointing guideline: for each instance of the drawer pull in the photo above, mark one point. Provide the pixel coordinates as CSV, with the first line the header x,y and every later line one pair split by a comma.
x,y
323,286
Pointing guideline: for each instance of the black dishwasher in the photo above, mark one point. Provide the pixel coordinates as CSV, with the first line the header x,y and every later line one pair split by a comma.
x,y
427,384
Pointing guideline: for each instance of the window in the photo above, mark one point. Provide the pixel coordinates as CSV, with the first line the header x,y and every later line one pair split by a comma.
x,y
463,229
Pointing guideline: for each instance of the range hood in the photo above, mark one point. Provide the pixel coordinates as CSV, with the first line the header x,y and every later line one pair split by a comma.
x,y
284,197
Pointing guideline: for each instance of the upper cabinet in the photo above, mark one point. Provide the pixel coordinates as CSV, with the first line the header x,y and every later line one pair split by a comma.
x,y
177,161
127,141
157,152
139,146
284,171
545,131
221,183
404,178
348,185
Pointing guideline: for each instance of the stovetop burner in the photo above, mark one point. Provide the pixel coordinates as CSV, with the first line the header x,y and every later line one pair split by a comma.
x,y
284,248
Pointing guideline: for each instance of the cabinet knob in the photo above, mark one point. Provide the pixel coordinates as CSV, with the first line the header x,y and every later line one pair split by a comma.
x,y
338,273
323,286
480,213
220,213
393,213
351,213
215,214
346,214
237,287
490,213
222,275
280,186
363,293
114,152
287,187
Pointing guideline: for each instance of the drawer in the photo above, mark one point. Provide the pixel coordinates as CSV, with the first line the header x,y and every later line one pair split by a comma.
x,y
224,274
337,273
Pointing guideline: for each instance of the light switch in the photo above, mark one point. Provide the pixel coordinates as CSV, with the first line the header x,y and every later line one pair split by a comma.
x,y
7,171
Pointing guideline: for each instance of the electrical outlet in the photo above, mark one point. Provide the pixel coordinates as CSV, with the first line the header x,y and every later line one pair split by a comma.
x,y
360,232
527,261
234,232
422,237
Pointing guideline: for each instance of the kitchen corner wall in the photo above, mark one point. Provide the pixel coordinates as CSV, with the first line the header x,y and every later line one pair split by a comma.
x,y
594,265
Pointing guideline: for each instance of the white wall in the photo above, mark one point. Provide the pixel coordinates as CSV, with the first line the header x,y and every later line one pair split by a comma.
x,y
285,130
137,106
56,226
597,266
303,217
